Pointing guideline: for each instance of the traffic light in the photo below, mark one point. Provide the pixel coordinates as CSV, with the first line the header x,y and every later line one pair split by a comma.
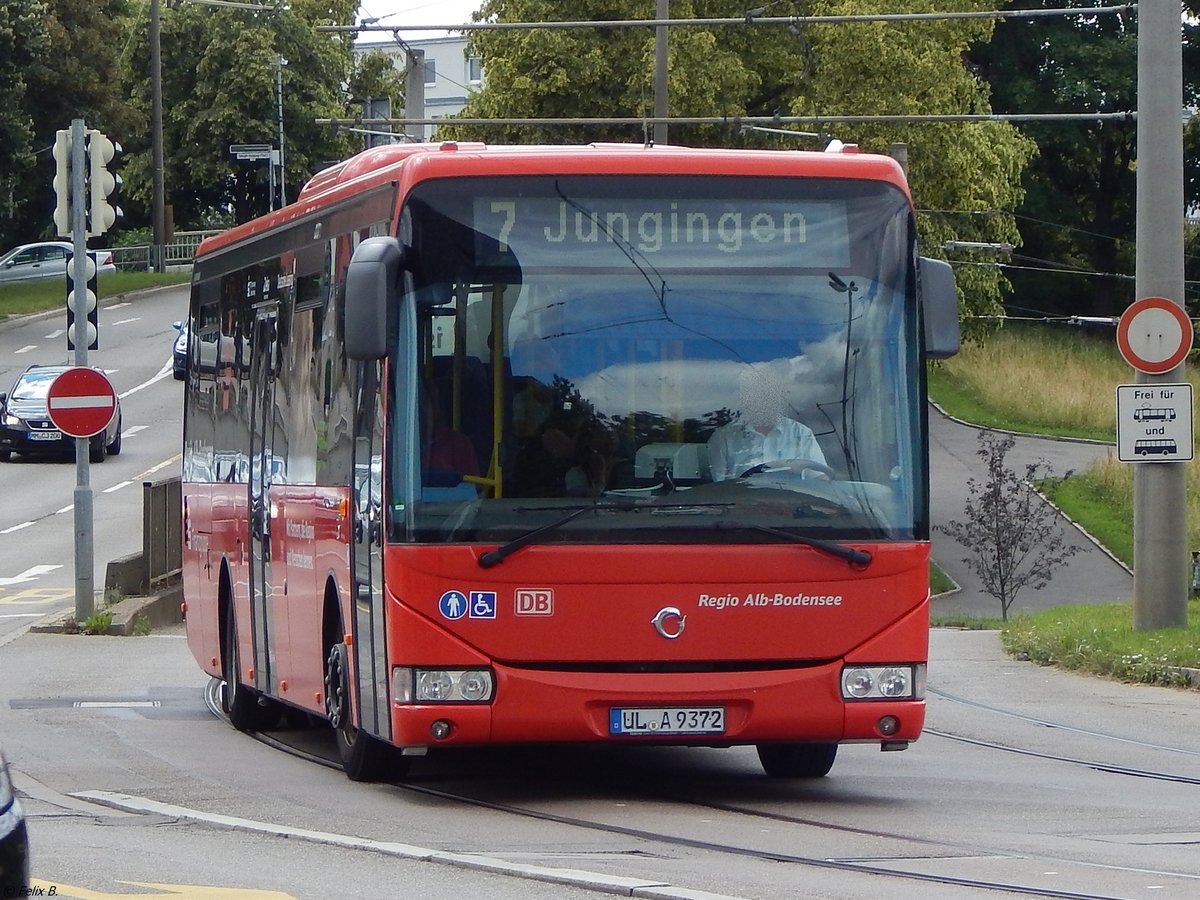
x,y
82,309
62,183
102,212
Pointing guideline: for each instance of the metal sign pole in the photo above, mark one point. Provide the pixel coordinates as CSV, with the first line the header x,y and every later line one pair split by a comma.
x,y
85,600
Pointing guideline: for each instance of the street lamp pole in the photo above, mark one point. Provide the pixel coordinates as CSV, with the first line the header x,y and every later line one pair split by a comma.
x,y
280,62
158,263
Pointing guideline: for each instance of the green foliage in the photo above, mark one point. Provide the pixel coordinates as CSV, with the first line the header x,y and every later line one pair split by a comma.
x,y
1078,211
70,70
220,88
939,581
23,39
908,69
1101,500
24,297
97,623
1100,640
375,76
988,383
767,70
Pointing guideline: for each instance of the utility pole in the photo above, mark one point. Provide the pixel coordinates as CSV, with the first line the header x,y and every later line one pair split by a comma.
x,y
1160,552
660,74
414,92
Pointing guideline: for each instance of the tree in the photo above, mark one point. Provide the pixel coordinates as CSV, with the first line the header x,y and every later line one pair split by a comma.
x,y
766,70
22,38
219,70
1078,211
1079,207
1010,530
375,76
68,59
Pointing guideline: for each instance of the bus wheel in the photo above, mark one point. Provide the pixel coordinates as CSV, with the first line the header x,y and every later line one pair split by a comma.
x,y
797,760
364,758
247,711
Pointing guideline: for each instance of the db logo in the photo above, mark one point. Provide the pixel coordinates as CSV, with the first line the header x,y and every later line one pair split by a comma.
x,y
535,602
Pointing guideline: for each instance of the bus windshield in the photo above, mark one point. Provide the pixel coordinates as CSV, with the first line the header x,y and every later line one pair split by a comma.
x,y
688,360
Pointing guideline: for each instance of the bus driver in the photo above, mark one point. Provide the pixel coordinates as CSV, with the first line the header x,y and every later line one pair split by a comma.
x,y
761,431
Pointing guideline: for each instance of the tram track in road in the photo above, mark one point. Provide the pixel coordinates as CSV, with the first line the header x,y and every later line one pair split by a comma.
x,y
940,850
1090,734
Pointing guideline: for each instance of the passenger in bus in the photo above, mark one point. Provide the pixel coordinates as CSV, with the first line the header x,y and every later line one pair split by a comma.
x,y
446,454
761,431
592,453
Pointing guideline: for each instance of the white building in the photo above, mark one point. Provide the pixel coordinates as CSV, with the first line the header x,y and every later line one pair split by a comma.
x,y
451,76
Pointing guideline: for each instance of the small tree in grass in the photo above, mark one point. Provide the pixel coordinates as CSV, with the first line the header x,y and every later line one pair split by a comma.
x,y
1010,530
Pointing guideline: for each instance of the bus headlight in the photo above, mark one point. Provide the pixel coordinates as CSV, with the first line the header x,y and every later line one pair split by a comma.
x,y
442,685
902,681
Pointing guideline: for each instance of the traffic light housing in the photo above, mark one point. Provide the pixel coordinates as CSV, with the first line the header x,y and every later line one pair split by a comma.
x,y
103,213
83,310
62,183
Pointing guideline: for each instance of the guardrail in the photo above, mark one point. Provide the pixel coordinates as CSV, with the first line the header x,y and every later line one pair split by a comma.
x,y
140,257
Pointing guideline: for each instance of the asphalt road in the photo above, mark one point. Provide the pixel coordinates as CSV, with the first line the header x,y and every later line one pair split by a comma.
x,y
1090,576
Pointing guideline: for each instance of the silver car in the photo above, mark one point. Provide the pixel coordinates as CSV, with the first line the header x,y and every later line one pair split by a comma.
x,y
48,259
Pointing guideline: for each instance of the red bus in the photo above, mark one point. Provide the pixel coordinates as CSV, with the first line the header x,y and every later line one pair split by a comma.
x,y
568,444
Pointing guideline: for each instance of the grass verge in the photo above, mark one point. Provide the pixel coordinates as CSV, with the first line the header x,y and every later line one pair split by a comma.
x,y
1100,640
25,297
987,384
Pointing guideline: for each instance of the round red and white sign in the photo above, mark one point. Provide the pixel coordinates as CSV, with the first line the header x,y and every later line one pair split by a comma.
x,y
1154,335
81,402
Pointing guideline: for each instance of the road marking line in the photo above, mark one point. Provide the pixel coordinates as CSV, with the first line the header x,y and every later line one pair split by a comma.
x,y
133,430
597,881
26,348
15,528
116,487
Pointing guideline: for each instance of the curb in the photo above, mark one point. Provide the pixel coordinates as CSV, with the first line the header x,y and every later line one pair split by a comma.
x,y
128,616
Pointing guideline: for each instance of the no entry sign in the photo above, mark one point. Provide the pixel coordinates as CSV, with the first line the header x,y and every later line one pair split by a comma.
x,y
81,402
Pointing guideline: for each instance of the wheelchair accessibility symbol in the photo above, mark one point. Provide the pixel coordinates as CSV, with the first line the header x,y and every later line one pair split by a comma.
x,y
483,604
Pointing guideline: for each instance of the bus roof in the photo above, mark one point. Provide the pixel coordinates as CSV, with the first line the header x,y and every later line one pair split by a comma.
x,y
411,163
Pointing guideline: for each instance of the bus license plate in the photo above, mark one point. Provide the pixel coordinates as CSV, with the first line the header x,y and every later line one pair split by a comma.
x,y
667,720
45,435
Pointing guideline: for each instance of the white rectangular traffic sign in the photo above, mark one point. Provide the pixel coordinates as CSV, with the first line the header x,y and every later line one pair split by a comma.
x,y
1154,422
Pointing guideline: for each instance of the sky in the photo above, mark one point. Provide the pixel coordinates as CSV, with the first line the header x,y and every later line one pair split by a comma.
x,y
416,12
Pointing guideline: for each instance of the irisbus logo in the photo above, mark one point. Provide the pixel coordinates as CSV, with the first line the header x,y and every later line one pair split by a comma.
x,y
535,602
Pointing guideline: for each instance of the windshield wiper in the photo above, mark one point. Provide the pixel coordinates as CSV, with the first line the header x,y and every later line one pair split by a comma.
x,y
501,553
858,559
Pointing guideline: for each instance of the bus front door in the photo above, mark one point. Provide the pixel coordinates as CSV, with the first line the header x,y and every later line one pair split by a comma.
x,y
370,646
261,469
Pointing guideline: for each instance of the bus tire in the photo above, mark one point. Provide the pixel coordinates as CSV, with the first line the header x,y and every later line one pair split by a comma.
x,y
364,757
797,760
247,711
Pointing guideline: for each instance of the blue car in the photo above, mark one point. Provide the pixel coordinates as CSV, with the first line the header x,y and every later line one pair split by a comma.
x,y
179,352
14,840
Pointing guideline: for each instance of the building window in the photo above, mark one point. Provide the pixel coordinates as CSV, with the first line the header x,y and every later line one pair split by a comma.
x,y
474,69
430,71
